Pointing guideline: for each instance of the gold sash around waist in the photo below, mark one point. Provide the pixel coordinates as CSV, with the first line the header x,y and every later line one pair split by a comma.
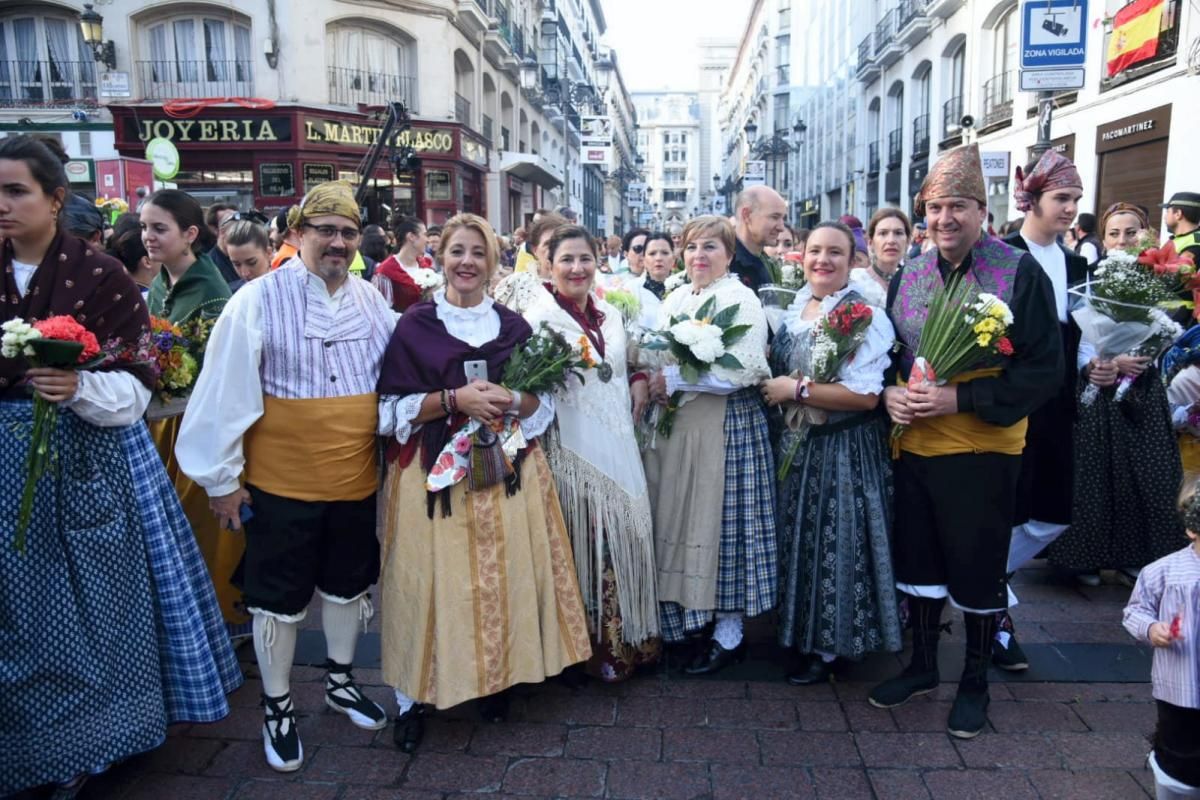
x,y
963,432
318,450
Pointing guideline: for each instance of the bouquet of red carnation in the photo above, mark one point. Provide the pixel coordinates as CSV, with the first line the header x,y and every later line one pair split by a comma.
x,y
58,342
838,334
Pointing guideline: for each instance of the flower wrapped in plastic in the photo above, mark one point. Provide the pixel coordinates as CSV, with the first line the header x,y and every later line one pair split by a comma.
x,y
1124,309
697,343
965,330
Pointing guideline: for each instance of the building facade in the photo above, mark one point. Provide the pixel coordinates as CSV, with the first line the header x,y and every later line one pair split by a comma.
x,y
936,74
670,144
716,59
309,90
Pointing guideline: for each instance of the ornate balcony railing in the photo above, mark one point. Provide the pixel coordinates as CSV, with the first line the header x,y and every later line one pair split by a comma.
x,y
348,87
37,84
921,136
462,109
998,98
952,113
895,148
164,80
873,158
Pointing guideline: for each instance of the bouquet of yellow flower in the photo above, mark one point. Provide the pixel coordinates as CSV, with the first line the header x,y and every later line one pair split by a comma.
x,y
170,352
965,329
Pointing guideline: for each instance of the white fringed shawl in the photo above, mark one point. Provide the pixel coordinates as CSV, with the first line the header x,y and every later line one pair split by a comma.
x,y
598,470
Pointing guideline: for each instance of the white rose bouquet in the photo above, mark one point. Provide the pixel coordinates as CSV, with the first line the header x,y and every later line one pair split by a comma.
x,y
697,343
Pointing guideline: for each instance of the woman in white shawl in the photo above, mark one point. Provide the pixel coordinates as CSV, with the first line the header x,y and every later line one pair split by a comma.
x,y
597,466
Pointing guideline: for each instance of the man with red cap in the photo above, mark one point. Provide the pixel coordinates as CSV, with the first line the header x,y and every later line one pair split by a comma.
x,y
1048,192
956,475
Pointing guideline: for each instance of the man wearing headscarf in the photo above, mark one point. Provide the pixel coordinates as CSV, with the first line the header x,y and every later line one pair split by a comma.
x,y
1048,192
956,475
287,396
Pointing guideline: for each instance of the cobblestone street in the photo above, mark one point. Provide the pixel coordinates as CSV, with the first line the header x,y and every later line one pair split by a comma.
x,y
1075,726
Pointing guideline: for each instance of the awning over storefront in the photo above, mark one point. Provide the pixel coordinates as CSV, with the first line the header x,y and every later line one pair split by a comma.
x,y
529,167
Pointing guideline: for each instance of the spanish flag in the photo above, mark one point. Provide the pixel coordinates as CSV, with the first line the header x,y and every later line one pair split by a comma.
x,y
1134,35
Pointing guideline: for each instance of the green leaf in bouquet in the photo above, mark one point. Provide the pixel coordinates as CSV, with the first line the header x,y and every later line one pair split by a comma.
x,y
706,309
726,316
689,373
56,353
728,361
733,334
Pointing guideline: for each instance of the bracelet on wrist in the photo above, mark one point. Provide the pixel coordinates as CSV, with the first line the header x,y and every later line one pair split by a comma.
x,y
445,402
638,376
453,401
514,404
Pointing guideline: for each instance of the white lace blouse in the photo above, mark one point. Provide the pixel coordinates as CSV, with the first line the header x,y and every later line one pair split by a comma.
x,y
862,373
475,326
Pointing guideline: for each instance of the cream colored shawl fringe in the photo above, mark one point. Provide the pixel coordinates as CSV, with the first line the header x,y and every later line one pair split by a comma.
x,y
600,514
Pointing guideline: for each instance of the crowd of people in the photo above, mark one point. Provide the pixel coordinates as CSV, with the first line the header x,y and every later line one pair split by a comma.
x,y
351,428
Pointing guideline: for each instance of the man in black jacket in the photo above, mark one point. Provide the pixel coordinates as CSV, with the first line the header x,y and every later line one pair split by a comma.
x,y
1049,195
761,216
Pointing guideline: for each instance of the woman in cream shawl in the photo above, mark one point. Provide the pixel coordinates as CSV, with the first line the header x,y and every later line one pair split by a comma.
x,y
597,466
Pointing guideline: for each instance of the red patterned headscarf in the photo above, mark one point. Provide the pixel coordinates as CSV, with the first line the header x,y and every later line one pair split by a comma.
x,y
1052,171
958,173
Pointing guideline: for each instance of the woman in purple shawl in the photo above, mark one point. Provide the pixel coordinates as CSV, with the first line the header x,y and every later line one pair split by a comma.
x,y
478,584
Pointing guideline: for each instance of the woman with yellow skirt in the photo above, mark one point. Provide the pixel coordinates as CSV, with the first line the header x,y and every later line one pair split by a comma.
x,y
189,292
478,586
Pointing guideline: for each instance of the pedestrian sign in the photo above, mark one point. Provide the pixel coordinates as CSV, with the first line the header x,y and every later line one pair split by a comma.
x,y
1053,34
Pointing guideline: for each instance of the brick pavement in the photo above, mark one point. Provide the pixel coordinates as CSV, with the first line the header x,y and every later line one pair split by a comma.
x,y
742,735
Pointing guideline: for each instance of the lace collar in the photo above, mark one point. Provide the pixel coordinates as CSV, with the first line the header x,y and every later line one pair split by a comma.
x,y
447,310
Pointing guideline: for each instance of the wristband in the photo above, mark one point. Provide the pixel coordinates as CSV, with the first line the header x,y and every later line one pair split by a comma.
x,y
638,376
445,403
514,405
802,389
453,402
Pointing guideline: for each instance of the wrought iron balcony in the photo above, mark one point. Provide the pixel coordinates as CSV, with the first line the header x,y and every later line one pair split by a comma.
x,y
868,68
952,113
40,84
921,136
488,128
462,109
873,158
912,22
348,87
165,80
998,99
887,50
895,148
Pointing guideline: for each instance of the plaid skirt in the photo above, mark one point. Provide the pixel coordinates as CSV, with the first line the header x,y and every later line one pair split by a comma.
x,y
748,559
108,624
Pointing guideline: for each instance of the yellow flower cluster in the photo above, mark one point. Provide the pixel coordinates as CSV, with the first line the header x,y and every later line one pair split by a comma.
x,y
988,327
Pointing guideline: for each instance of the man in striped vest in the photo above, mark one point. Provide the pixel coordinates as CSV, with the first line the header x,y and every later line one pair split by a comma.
x,y
286,402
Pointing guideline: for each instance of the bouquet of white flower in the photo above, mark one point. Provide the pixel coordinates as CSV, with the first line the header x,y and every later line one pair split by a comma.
x,y
697,343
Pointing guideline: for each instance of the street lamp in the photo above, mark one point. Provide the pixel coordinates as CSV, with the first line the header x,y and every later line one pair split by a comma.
x,y
751,130
91,25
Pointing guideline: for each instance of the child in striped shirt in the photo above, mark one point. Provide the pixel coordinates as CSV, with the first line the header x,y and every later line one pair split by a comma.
x,y
1163,610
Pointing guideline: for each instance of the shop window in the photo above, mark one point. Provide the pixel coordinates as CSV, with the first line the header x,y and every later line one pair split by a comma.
x,y
438,187
197,57
371,64
43,61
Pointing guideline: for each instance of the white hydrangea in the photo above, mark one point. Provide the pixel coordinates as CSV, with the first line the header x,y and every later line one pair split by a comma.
x,y
673,282
17,334
703,339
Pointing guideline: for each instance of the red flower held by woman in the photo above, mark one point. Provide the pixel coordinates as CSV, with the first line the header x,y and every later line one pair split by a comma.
x,y
1164,260
1004,346
67,329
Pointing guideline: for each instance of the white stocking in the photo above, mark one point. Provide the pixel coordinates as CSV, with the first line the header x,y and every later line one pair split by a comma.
x,y
340,619
728,632
275,647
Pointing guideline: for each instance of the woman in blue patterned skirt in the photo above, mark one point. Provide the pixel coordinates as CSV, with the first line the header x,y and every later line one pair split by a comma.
x,y
108,622
838,594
